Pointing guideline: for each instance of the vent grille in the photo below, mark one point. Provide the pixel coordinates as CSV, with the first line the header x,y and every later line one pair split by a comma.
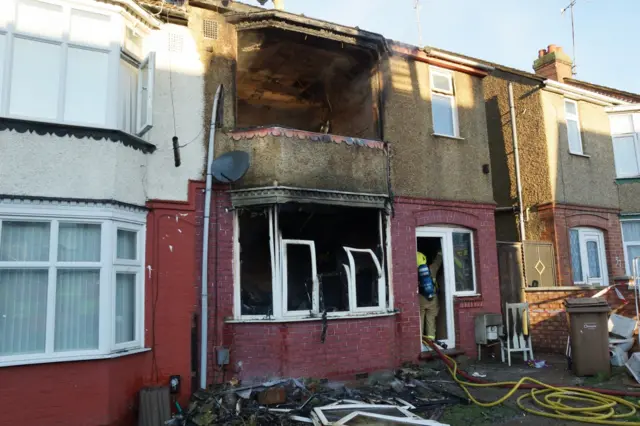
x,y
175,43
210,29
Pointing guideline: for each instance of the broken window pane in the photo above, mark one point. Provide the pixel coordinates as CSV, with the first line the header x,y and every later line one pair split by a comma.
x,y
256,295
366,274
299,277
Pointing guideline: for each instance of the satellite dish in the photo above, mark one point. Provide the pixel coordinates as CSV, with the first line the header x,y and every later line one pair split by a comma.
x,y
230,167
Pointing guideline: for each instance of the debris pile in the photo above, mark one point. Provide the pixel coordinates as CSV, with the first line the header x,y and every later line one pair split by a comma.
x,y
388,398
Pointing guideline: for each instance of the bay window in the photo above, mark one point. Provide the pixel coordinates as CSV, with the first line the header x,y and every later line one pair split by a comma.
x,y
71,283
74,62
301,260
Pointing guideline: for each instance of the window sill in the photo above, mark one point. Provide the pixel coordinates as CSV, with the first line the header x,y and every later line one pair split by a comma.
x,y
629,179
575,287
43,128
577,154
466,296
50,360
440,135
330,317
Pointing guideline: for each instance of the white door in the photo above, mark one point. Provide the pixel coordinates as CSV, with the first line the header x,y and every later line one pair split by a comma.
x,y
593,248
447,287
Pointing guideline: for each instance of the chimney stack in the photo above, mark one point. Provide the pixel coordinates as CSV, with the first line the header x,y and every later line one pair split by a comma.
x,y
553,63
278,4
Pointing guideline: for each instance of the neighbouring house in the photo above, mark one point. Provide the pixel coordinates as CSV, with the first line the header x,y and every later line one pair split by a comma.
x,y
575,198
363,150
96,299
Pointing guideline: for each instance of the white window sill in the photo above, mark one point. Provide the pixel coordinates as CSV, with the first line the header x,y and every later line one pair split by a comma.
x,y
440,135
579,154
50,360
463,295
338,316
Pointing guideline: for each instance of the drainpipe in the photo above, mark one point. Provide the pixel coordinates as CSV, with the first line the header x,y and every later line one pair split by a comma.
x,y
204,317
514,136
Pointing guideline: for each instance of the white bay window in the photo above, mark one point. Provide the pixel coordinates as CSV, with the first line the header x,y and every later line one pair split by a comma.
x,y
71,283
626,145
74,62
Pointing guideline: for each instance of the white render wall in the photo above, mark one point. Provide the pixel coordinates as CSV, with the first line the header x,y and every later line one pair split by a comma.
x,y
67,167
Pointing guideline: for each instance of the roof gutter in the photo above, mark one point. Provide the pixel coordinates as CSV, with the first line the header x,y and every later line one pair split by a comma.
x,y
462,61
582,94
623,108
132,7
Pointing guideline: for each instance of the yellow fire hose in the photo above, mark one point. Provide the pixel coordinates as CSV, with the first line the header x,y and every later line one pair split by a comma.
x,y
594,407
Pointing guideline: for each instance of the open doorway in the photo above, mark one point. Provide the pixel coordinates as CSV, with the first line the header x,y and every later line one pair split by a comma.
x,y
430,241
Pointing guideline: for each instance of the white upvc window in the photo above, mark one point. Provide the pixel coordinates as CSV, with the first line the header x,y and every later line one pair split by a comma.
x,y
626,145
71,283
588,257
71,56
631,243
443,103
573,127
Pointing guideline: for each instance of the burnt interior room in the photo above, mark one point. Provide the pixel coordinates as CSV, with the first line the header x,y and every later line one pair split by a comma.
x,y
290,79
330,228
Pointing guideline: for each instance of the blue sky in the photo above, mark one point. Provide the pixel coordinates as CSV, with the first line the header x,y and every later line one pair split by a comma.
x,y
508,32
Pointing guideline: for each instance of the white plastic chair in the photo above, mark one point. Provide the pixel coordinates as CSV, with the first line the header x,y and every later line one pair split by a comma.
x,y
518,331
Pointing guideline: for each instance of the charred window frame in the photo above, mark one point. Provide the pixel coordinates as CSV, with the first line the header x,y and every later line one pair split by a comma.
x,y
301,280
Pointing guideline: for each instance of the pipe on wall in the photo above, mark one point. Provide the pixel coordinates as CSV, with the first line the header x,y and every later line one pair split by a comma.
x,y
204,317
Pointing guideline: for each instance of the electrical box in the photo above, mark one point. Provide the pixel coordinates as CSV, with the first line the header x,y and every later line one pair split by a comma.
x,y
488,328
222,355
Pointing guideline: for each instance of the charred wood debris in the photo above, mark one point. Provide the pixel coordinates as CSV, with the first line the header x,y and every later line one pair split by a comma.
x,y
409,395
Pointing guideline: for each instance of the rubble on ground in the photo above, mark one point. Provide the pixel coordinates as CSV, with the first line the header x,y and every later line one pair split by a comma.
x,y
406,396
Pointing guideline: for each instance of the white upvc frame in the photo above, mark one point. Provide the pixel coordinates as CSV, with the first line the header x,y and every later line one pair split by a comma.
x,y
626,244
449,94
575,118
353,284
145,94
119,19
277,278
110,219
315,298
616,133
586,235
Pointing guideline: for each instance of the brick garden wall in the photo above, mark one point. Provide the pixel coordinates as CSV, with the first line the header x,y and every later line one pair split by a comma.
x,y
549,328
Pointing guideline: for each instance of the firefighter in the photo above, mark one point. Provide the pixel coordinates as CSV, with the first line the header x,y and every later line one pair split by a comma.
x,y
428,294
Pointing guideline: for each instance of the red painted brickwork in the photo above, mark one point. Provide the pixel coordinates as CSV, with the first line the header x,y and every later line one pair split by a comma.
x,y
105,392
352,345
558,219
549,328
411,213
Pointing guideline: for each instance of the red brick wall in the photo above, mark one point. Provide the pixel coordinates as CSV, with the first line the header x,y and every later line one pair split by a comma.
x,y
352,345
549,328
559,218
413,212
105,392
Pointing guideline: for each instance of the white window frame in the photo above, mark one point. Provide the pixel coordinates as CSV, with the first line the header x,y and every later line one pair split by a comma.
x,y
636,142
576,118
353,287
279,279
120,21
585,235
315,299
625,247
110,219
449,94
